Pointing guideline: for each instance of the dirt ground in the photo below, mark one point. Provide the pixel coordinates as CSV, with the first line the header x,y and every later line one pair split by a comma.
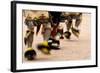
x,y
73,49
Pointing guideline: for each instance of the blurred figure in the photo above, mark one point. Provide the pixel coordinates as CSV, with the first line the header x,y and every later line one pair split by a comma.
x,y
49,31
55,20
30,31
30,53
76,18
46,27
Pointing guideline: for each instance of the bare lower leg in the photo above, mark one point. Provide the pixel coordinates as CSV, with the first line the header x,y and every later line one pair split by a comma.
x,y
69,25
30,40
77,23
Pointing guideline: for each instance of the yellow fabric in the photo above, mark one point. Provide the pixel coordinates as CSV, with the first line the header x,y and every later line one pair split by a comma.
x,y
45,50
45,43
30,48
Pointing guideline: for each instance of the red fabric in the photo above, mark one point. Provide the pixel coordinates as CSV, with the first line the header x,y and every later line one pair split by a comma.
x,y
54,32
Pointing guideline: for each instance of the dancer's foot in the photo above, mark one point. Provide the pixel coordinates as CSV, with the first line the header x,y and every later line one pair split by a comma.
x,y
76,32
67,34
44,47
30,54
